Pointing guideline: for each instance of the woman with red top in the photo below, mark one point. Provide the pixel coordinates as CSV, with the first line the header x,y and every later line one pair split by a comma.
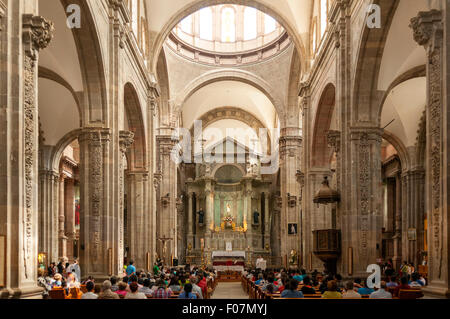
x,y
403,285
122,292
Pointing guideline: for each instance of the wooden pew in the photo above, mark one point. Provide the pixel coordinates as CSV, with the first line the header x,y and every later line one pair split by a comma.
x,y
410,294
58,293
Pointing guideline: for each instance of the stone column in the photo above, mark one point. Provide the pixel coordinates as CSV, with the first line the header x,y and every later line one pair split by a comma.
x,y
399,228
431,30
138,218
96,255
290,151
69,210
62,239
48,214
167,219
190,219
267,219
126,139
22,35
248,210
209,211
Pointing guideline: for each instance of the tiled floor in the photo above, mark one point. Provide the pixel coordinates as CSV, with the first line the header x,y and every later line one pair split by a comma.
x,y
229,290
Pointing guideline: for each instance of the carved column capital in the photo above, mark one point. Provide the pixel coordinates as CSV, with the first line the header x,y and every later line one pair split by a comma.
x,y
37,34
126,139
427,28
334,140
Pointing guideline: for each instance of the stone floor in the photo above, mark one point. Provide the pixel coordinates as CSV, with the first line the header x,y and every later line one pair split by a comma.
x,y
229,290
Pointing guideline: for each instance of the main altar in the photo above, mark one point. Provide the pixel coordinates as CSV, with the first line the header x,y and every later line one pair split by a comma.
x,y
228,203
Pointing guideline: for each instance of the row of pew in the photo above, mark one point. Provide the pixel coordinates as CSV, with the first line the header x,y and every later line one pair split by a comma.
x,y
256,292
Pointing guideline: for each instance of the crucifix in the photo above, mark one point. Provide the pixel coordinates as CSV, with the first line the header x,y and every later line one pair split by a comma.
x,y
164,240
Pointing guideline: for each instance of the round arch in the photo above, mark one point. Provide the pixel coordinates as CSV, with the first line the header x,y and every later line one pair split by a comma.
x,y
61,146
233,75
400,148
239,167
320,152
136,155
199,4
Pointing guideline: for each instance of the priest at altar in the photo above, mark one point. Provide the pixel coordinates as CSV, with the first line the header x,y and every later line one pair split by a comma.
x,y
261,263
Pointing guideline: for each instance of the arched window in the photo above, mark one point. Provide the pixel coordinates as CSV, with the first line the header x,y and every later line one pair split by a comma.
x,y
323,16
206,24
270,24
186,24
250,24
228,25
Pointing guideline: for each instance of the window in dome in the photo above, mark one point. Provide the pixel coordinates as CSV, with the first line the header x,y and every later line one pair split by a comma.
x,y
134,16
186,25
228,25
270,24
206,24
250,24
323,16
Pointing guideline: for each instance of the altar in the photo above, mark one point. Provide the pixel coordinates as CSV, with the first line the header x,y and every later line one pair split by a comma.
x,y
228,260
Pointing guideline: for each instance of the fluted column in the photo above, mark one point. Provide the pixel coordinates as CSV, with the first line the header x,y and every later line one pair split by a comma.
x,y
399,232
69,211
48,213
431,29
190,235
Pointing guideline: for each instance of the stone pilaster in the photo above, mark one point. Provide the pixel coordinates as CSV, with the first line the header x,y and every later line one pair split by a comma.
x,y
361,225
62,239
69,211
290,154
167,214
126,139
190,236
48,210
96,252
25,35
429,30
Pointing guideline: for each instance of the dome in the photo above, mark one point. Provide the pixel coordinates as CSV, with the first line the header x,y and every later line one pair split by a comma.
x,y
227,35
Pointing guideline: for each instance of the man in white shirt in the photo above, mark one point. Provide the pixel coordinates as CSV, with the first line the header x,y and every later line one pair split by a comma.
x,y
350,292
381,293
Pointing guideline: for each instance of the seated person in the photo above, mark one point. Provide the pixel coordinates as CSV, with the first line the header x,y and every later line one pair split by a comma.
x,y
350,293
187,292
392,282
381,293
365,290
403,285
174,285
122,291
107,293
135,294
146,287
332,292
290,290
357,284
89,294
415,282
307,289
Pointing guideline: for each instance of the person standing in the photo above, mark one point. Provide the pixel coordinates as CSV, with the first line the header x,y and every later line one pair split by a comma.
x,y
75,268
131,270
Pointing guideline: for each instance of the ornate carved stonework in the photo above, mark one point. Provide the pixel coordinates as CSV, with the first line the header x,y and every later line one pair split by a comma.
x,y
428,32
37,33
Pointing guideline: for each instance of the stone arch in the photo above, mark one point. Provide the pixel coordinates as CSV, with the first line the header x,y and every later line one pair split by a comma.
x,y
48,74
293,99
239,167
61,146
136,155
199,4
400,148
372,42
91,60
163,81
320,150
416,72
233,75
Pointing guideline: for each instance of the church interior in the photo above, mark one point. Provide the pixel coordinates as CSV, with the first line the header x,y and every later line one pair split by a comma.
x,y
224,134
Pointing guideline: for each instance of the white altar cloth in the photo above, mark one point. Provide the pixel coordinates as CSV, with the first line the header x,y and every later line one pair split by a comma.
x,y
218,254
